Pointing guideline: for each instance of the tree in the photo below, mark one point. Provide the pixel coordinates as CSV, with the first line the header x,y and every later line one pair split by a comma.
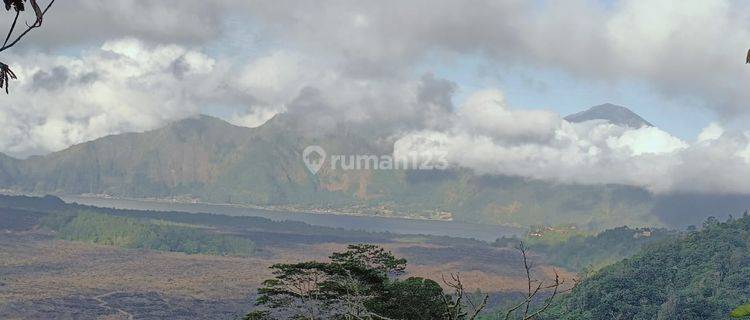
x,y
357,284
362,283
295,291
18,6
415,299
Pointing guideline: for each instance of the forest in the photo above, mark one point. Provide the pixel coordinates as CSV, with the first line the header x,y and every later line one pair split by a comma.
x,y
151,234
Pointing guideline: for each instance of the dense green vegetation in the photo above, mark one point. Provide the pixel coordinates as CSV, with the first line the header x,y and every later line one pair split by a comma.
x,y
577,250
131,233
594,252
699,275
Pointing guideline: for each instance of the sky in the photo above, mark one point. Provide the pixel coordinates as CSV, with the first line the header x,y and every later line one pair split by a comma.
x,y
424,69
529,87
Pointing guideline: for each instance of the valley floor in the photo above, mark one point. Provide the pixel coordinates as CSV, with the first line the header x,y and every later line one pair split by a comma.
x,y
42,277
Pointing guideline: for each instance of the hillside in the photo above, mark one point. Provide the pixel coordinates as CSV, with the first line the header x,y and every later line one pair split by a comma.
x,y
180,156
207,159
589,253
8,171
700,275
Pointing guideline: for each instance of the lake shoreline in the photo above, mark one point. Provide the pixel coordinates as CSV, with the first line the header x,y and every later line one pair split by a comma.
x,y
368,223
257,207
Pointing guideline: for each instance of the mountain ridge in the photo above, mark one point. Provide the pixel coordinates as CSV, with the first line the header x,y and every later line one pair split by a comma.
x,y
615,114
208,159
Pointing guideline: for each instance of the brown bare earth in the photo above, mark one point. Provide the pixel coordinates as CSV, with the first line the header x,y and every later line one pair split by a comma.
x,y
44,278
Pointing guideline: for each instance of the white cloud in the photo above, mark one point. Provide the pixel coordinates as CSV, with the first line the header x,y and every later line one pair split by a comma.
x,y
712,132
592,152
253,118
75,22
122,86
130,85
646,140
355,62
691,49
485,112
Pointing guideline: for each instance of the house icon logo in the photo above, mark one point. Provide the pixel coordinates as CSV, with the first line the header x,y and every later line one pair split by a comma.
x,y
314,157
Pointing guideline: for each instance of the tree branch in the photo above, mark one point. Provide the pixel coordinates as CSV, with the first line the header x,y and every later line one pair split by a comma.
x,y
527,268
36,24
533,291
549,300
481,306
12,27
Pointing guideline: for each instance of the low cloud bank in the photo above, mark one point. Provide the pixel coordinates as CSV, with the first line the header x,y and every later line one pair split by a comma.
x,y
492,138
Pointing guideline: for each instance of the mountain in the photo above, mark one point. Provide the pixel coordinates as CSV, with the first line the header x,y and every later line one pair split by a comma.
x,y
207,159
196,158
8,171
201,157
615,114
699,275
178,156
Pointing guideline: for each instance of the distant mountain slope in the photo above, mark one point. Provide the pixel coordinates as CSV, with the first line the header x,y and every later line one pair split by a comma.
x,y
210,160
615,114
201,157
698,276
9,171
180,156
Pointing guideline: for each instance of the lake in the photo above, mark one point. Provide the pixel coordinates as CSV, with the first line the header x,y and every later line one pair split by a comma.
x,y
485,232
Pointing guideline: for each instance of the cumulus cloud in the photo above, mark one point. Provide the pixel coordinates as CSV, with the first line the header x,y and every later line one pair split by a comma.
x,y
324,96
492,138
485,113
253,118
131,85
358,63
646,140
692,49
86,22
121,86
712,132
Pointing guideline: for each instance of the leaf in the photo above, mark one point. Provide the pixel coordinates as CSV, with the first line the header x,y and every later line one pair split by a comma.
x,y
16,4
5,76
741,311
